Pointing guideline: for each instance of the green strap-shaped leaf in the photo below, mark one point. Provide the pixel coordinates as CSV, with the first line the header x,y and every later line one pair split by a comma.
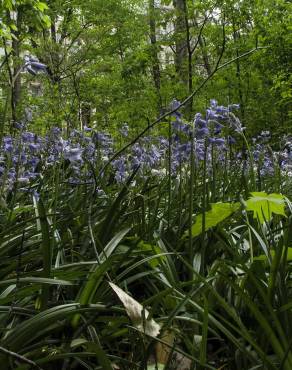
x,y
97,272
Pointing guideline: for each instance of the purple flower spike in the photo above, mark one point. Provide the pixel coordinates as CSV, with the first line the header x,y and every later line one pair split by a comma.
x,y
218,127
73,154
219,141
233,107
213,103
199,121
8,144
231,140
174,104
38,66
28,137
87,129
124,130
202,132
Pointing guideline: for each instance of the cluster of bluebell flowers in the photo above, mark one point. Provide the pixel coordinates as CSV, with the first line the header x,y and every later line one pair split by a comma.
x,y
26,156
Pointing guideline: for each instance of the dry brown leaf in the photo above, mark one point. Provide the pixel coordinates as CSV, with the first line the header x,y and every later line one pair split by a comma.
x,y
137,313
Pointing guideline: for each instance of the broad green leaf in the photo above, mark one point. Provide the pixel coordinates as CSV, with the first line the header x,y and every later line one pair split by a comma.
x,y
8,4
155,367
46,20
137,313
263,205
41,6
218,213
152,248
263,257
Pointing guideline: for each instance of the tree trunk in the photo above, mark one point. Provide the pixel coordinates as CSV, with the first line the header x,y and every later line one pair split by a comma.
x,y
207,64
189,106
154,54
236,36
181,42
16,66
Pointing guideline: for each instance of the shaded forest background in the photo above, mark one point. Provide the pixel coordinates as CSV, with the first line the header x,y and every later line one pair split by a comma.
x,y
114,62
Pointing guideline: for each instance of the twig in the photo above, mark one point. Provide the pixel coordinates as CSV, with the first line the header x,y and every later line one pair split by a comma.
x,y
19,357
5,59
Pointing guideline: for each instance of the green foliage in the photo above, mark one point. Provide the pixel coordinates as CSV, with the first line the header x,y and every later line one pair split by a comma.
x,y
263,205
288,255
218,213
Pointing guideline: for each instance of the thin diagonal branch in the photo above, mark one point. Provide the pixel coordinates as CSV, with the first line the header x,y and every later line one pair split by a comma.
x,y
184,102
19,357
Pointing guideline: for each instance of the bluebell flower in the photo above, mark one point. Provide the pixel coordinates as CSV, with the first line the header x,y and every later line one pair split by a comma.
x,y
33,161
33,66
120,166
213,103
87,129
163,142
34,147
174,104
19,125
8,144
124,130
200,153
231,140
211,114
56,131
217,128
221,110
235,123
199,121
267,167
232,107
89,151
219,141
201,132
73,154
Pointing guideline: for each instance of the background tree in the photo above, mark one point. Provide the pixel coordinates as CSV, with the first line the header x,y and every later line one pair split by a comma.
x,y
124,61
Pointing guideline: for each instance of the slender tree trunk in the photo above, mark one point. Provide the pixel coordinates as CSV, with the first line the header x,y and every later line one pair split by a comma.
x,y
180,42
236,36
16,66
154,54
189,106
53,31
85,113
207,64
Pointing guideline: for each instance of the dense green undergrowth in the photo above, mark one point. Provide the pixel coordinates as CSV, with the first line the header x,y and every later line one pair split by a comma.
x,y
173,272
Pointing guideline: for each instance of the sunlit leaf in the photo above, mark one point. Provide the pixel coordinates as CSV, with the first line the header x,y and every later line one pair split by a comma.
x,y
263,257
218,213
263,205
